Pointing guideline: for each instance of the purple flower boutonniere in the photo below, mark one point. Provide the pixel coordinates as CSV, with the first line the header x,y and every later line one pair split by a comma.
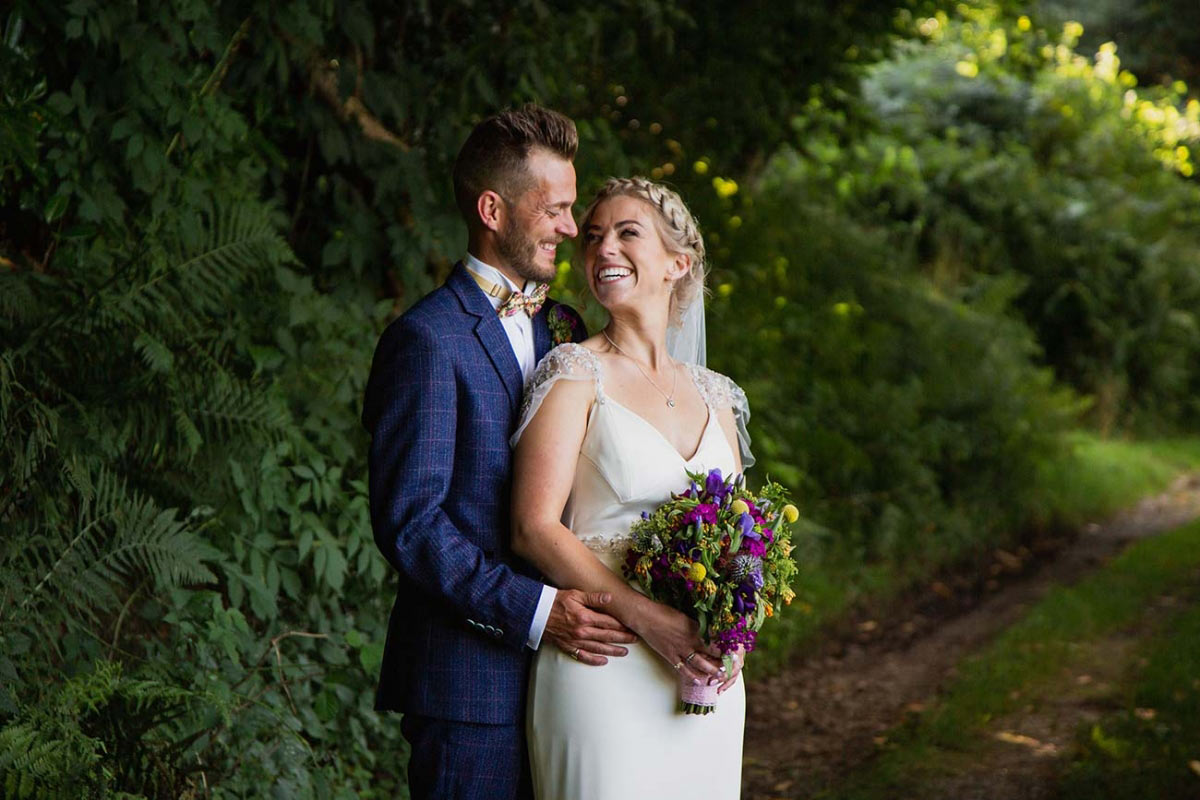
x,y
561,327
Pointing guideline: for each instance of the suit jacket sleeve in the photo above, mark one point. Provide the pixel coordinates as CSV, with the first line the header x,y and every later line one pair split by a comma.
x,y
411,412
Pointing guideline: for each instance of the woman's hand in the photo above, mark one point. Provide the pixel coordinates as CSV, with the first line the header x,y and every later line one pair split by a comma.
x,y
675,637
739,661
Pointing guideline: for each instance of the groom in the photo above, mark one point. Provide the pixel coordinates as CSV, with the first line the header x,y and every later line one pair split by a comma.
x,y
442,400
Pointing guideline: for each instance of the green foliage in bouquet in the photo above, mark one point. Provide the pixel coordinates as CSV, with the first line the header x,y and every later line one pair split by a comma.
x,y
721,554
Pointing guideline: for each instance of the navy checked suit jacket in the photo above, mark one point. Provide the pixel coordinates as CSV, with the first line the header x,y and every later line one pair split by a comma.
x,y
441,403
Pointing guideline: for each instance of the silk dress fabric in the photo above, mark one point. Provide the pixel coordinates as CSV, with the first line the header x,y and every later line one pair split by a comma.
x,y
615,732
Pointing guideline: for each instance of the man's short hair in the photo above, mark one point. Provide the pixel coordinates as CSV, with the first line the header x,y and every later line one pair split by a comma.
x,y
493,157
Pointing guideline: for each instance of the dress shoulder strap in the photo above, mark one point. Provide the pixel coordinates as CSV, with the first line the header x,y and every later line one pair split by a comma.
x,y
719,391
572,362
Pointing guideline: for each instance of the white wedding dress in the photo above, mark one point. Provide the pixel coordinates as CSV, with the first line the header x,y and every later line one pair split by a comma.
x,y
615,732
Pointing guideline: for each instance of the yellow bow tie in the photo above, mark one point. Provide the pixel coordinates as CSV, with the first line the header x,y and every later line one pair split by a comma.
x,y
511,302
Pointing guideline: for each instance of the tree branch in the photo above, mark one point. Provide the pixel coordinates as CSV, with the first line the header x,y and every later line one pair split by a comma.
x,y
325,82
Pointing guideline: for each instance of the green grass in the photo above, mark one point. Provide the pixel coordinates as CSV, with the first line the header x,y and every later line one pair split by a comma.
x,y
1030,656
1154,753
1088,478
1093,477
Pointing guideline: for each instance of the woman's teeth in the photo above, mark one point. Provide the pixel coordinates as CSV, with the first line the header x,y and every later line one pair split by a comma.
x,y
610,274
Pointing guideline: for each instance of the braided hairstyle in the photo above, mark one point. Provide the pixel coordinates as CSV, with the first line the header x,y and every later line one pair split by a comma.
x,y
677,228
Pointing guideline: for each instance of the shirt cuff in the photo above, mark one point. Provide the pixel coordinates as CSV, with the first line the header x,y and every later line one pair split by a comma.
x,y
540,616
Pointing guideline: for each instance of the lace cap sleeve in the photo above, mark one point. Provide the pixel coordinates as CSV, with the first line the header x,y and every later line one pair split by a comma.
x,y
720,392
570,362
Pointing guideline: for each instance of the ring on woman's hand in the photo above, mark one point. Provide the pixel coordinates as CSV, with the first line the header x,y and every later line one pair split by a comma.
x,y
678,666
575,653
689,658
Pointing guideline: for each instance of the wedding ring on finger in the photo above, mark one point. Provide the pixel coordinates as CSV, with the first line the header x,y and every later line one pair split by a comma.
x,y
678,666
575,653
689,658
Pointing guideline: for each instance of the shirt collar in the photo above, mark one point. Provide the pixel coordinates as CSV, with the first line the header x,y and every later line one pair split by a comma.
x,y
494,275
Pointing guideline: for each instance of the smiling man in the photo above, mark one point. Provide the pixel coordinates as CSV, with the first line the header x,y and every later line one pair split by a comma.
x,y
441,403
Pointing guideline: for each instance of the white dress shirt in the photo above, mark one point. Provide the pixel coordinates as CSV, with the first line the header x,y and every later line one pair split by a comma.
x,y
519,328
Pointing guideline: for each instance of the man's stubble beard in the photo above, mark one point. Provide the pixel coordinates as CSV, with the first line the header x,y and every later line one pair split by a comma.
x,y
519,251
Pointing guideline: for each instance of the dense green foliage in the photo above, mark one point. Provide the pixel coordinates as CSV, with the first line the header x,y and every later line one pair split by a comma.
x,y
207,212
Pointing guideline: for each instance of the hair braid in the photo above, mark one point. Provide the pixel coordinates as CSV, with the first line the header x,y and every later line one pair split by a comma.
x,y
677,228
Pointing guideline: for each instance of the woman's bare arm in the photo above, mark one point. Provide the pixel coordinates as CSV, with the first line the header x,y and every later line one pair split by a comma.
x,y
543,472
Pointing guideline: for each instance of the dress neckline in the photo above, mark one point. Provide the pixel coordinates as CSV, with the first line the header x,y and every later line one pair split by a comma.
x,y
662,437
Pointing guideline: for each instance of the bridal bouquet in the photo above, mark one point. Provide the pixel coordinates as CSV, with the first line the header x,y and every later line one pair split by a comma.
x,y
720,554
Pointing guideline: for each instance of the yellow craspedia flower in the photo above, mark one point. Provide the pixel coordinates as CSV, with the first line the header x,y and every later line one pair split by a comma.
x,y
791,513
696,572
739,506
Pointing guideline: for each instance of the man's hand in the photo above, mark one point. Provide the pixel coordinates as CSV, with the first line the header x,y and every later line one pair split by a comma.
x,y
582,631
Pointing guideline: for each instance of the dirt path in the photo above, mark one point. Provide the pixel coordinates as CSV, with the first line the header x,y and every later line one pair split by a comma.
x,y
827,713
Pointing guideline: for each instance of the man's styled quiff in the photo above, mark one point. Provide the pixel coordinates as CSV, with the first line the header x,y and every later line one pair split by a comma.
x,y
493,157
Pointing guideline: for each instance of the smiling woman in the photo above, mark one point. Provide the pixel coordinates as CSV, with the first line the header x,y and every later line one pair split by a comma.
x,y
596,447
643,205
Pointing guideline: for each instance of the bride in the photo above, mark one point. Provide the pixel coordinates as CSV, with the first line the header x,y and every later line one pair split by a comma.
x,y
610,427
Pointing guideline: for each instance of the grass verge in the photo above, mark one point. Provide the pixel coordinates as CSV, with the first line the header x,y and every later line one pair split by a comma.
x,y
1029,657
1151,748
1088,479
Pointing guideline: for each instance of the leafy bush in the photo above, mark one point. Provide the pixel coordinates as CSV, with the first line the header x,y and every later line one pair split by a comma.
x,y
1001,153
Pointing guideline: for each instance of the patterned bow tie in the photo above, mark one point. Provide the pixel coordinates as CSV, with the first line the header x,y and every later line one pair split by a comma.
x,y
519,301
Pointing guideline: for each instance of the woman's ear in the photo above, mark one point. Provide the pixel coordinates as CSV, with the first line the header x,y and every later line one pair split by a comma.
x,y
679,266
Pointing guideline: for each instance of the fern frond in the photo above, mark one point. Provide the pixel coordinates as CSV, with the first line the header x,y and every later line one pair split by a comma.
x,y
158,356
230,405
119,534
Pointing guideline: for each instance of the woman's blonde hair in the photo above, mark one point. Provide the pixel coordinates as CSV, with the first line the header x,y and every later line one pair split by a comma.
x,y
677,228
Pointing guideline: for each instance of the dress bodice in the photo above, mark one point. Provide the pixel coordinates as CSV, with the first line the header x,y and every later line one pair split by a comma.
x,y
626,466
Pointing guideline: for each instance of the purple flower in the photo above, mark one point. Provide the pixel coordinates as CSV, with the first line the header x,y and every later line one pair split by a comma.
x,y
754,547
747,523
704,512
714,485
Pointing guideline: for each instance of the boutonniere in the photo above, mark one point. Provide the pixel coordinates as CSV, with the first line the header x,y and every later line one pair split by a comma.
x,y
561,327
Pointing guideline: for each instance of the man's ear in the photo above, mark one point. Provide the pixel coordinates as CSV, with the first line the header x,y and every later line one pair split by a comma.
x,y
491,209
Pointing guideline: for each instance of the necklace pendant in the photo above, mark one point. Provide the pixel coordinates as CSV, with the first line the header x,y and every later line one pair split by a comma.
x,y
670,402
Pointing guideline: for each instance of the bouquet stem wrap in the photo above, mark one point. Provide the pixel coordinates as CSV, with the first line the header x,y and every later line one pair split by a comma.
x,y
697,699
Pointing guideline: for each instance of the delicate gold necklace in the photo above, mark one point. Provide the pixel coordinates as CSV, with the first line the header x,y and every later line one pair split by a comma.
x,y
674,382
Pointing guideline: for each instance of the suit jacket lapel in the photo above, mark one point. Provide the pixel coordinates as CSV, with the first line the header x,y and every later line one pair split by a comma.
x,y
489,331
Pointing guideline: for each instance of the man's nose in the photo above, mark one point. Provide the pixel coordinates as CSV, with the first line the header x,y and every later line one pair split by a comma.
x,y
567,227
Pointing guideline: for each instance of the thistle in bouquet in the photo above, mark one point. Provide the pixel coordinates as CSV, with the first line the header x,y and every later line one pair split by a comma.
x,y
721,554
